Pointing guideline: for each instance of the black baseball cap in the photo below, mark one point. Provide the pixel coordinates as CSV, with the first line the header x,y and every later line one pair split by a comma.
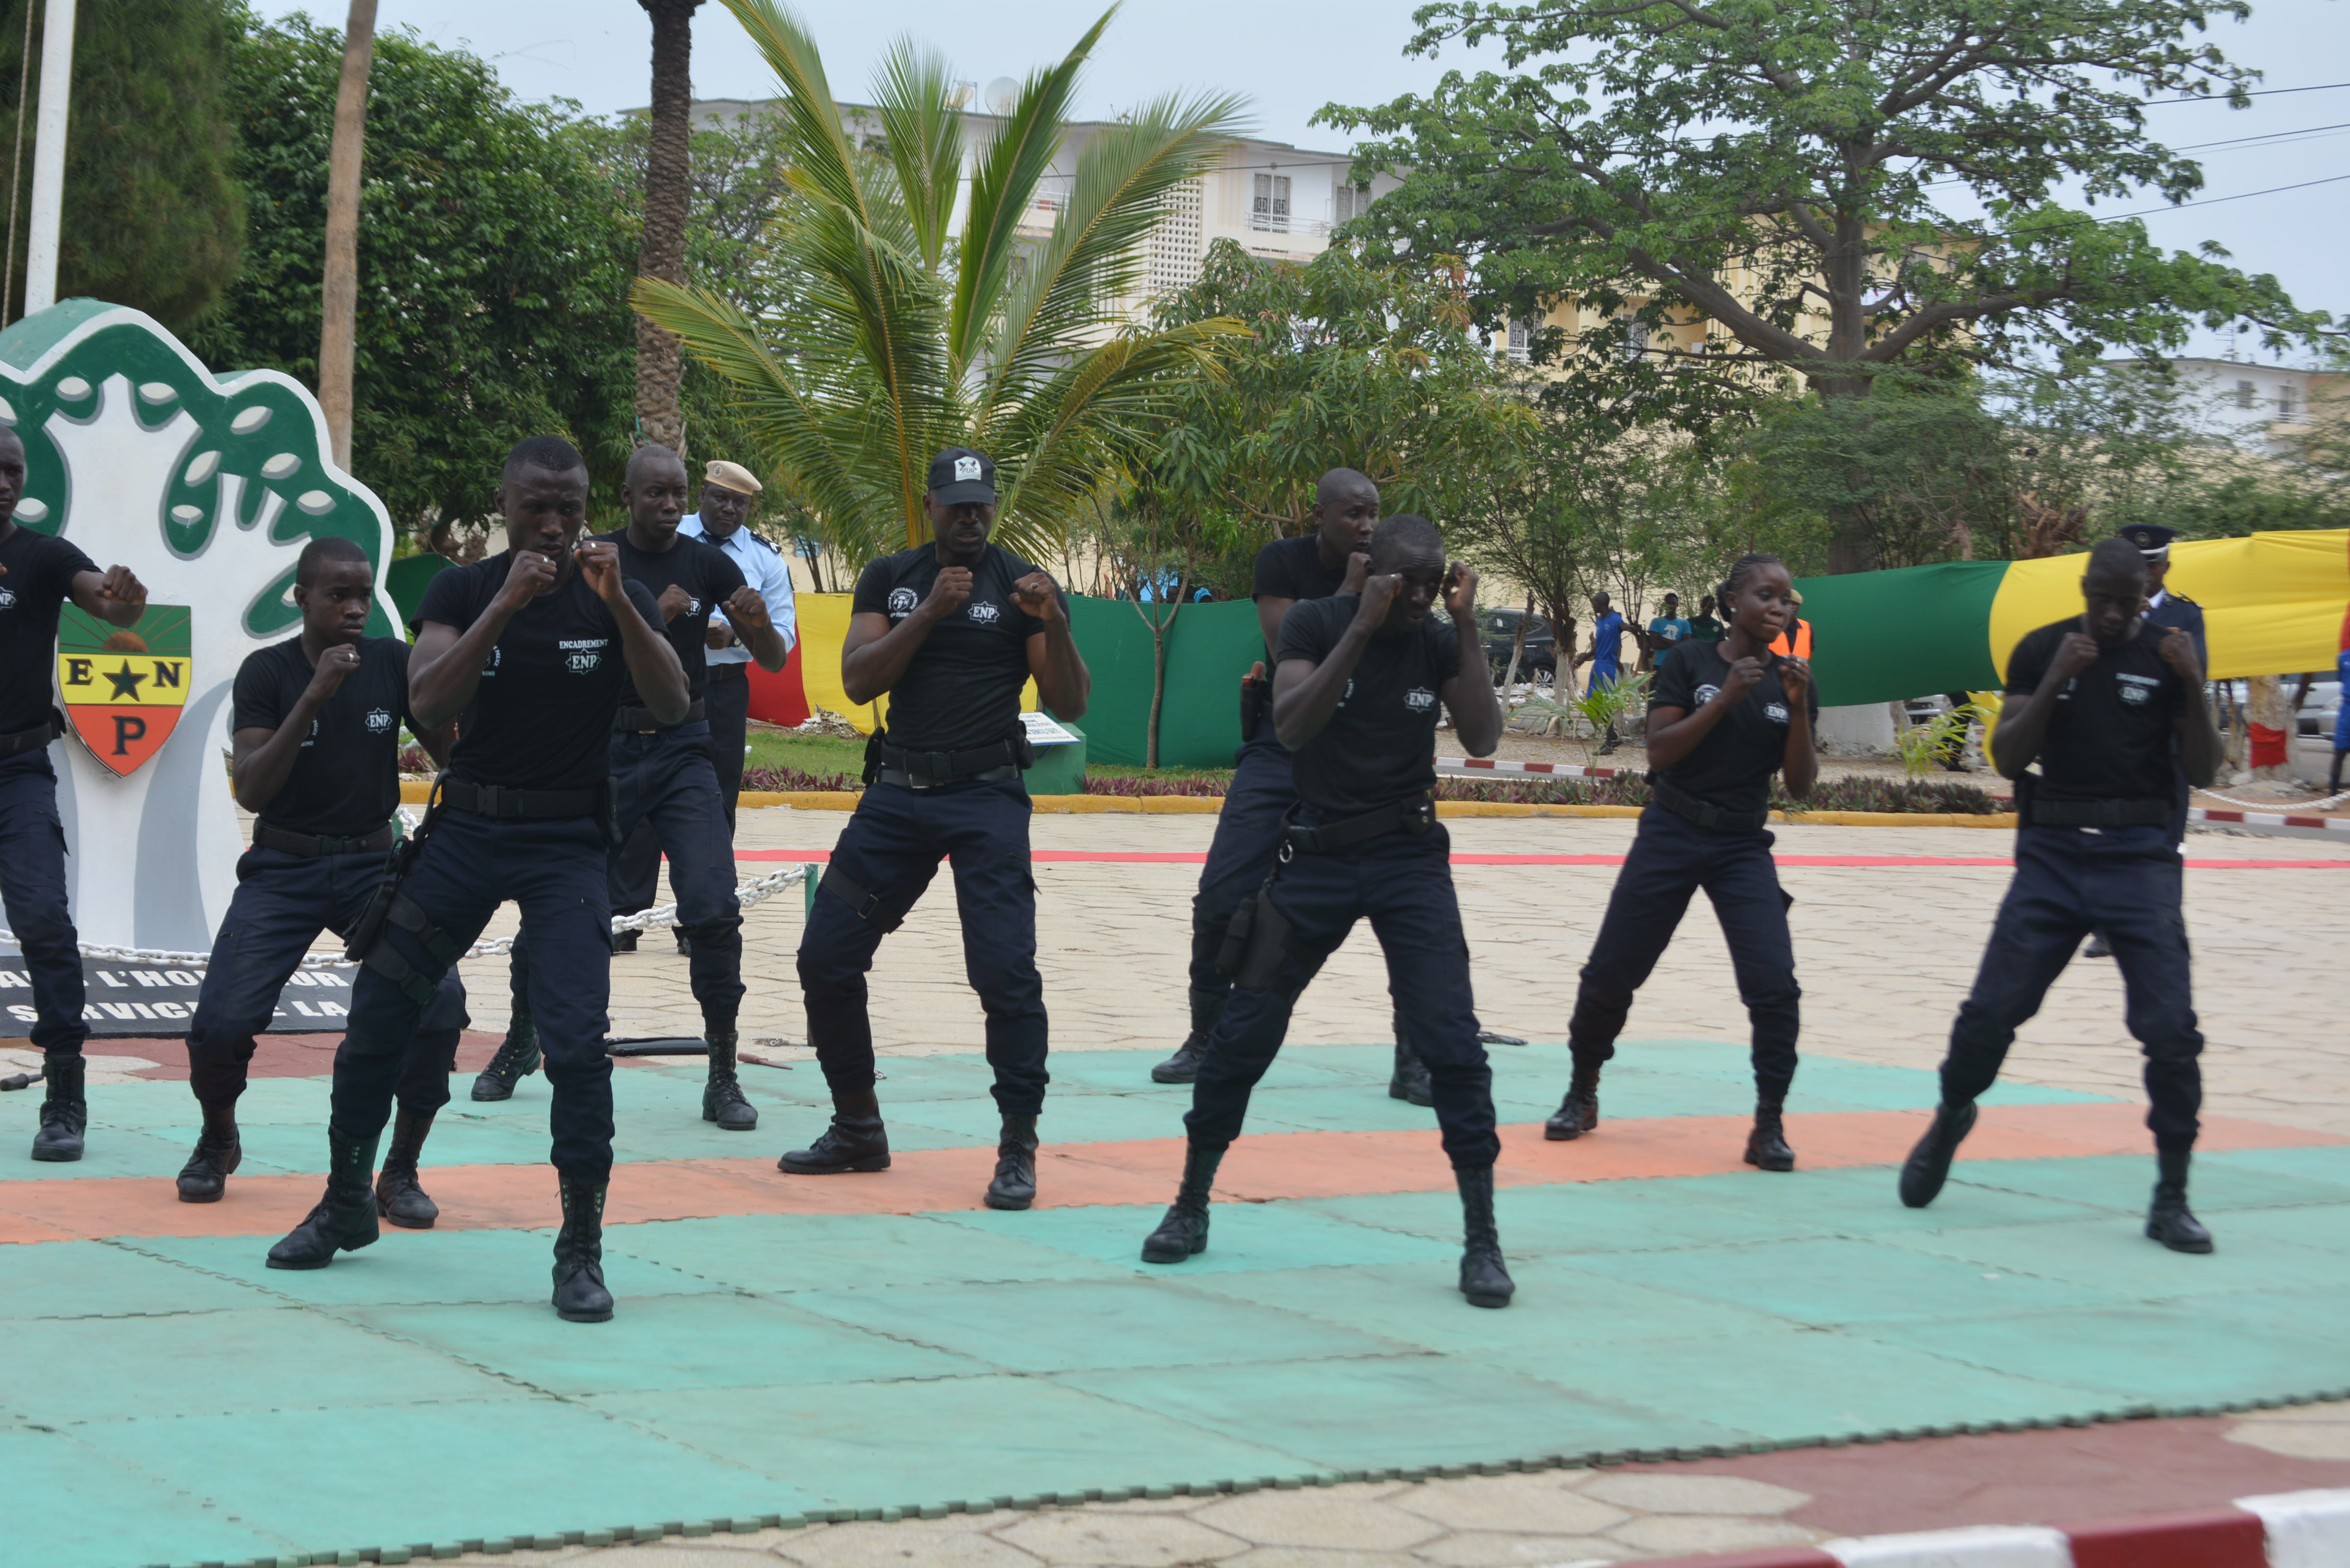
x,y
959,475
2152,539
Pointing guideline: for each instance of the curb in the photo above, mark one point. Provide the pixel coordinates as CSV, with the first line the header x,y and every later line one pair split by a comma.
x,y
2292,1530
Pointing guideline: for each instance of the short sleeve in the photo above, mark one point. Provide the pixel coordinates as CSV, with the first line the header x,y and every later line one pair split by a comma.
x,y
257,700
642,598
1273,577
1306,631
2027,666
872,596
1675,686
724,575
66,562
446,600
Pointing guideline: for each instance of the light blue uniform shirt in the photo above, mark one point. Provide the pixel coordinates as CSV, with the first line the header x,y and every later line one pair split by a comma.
x,y
764,570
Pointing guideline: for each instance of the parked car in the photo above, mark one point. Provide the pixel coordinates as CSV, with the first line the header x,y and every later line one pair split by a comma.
x,y
1499,628
2319,707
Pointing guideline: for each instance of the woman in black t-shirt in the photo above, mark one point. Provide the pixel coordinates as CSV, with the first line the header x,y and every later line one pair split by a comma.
x,y
1722,718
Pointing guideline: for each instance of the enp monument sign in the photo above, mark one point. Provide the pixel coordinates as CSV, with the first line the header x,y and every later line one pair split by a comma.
x,y
206,487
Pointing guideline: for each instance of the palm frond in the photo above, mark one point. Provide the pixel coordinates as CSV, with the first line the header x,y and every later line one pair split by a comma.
x,y
924,133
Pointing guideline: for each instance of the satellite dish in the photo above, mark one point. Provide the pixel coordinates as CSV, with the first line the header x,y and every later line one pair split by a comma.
x,y
1002,96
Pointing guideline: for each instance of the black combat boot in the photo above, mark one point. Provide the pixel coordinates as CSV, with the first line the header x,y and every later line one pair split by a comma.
x,y
1928,1165
1483,1278
65,1114
721,1096
218,1154
517,1059
2170,1221
1409,1081
397,1198
579,1293
343,1219
855,1141
625,941
1183,1067
1579,1112
1015,1186
1185,1231
1766,1145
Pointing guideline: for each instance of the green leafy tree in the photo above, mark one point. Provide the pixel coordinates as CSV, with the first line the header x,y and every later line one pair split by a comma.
x,y
153,217
493,282
1838,186
913,334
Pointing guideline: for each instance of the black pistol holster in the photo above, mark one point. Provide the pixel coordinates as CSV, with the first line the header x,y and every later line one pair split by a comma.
x,y
1257,939
368,943
1256,705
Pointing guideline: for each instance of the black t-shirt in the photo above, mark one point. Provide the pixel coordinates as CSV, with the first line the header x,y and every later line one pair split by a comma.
x,y
542,716
2111,738
1732,767
346,777
962,689
707,573
40,576
1293,569
1379,747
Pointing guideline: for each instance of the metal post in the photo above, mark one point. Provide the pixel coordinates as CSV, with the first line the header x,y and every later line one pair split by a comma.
x,y
49,157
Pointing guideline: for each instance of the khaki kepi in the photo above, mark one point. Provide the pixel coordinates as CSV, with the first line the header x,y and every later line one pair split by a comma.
x,y
732,476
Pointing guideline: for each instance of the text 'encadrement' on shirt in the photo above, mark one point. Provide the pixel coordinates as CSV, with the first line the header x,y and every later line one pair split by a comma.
x,y
1732,767
706,574
1379,747
1293,569
542,716
962,689
38,582
346,777
2111,736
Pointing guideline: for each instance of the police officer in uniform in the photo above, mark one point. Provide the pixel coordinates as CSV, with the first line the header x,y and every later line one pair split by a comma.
x,y
2111,708
1722,718
316,757
729,491
1330,560
1357,685
37,574
951,630
668,789
532,648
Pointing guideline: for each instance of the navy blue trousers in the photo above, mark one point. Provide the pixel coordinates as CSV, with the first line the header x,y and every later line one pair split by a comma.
x,y
283,901
1248,832
1671,858
2125,882
469,865
33,892
892,847
728,705
1402,883
669,804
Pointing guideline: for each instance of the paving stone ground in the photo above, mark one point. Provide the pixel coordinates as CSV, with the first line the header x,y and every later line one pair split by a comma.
x,y
881,1353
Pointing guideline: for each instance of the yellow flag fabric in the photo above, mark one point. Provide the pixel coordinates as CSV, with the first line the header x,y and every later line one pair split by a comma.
x,y
2272,603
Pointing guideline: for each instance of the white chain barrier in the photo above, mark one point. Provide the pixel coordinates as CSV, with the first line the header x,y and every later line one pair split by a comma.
x,y
2287,806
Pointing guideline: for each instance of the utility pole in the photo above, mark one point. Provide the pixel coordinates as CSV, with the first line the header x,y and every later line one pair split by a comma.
x,y
338,319
48,216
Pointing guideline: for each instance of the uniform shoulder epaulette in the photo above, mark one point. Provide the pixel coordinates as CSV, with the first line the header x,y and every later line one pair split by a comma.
x,y
2182,598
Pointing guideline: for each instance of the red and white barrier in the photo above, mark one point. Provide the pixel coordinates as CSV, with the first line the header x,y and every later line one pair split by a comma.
x,y
2294,1530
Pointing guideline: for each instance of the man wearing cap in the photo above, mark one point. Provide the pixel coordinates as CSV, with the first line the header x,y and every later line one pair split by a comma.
x,y
728,494
951,631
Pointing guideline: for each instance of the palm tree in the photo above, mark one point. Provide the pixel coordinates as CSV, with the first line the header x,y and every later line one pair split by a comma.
x,y
340,294
912,333
662,252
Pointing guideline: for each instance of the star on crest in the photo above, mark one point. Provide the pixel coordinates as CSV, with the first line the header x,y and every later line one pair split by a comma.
x,y
126,683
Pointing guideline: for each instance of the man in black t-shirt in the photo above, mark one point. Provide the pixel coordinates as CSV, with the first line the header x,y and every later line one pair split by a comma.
x,y
951,631
2111,708
1357,686
37,574
1330,560
528,651
669,801
316,757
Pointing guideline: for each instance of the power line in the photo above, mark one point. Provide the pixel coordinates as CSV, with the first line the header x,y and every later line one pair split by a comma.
x,y
2215,201
2227,97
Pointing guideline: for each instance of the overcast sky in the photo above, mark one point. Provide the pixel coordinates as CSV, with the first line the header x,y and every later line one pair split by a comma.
x,y
1291,58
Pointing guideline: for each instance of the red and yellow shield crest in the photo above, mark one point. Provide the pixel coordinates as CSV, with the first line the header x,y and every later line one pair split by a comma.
x,y
124,687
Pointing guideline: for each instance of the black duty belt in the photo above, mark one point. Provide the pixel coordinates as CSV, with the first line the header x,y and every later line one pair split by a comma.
x,y
497,800
1705,813
1414,816
641,721
928,770
312,845
2138,812
34,739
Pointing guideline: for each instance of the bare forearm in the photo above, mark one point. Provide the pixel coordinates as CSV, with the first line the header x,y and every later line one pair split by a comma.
x,y
1476,709
871,669
1670,742
2200,749
2023,729
1800,763
436,740
1302,709
769,650
261,771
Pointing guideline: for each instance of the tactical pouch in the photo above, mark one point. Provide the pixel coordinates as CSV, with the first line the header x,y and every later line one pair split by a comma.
x,y
1024,750
1266,942
872,756
1256,705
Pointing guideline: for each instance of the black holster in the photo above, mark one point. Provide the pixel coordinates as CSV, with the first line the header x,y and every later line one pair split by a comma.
x,y
1258,937
1256,705
368,942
